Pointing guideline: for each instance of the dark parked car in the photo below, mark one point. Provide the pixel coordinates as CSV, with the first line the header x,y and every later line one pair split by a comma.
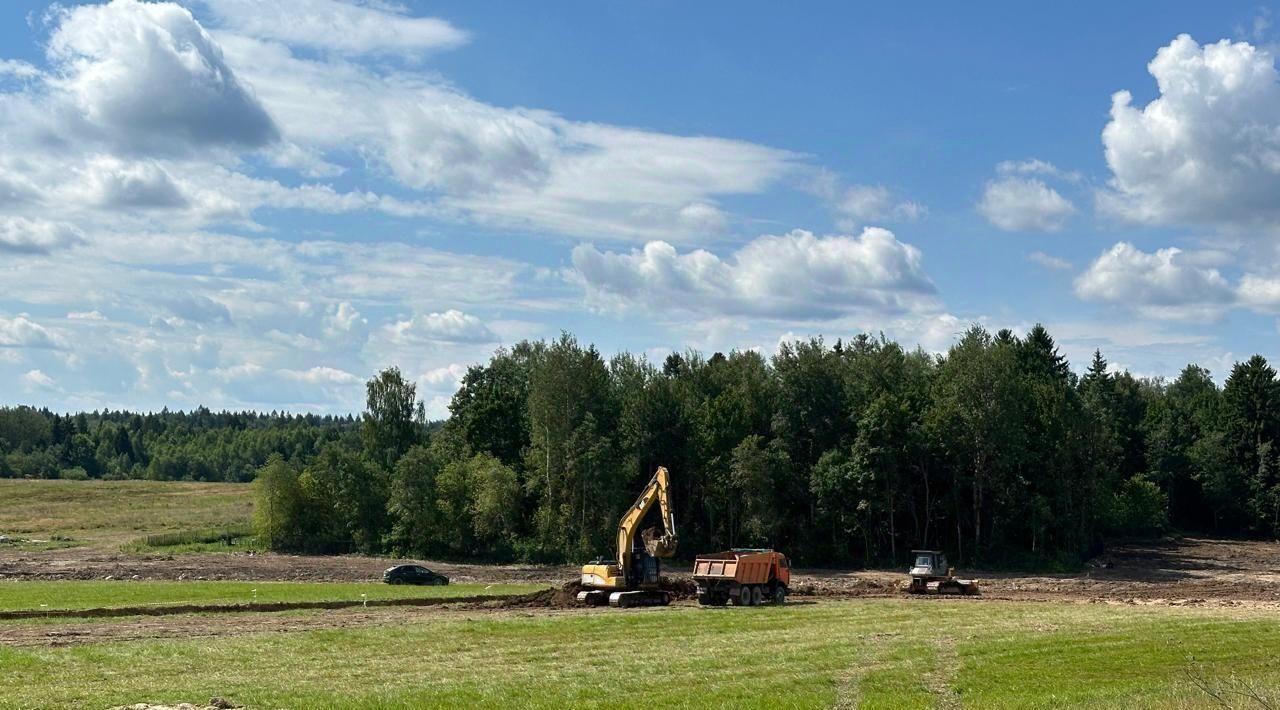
x,y
413,574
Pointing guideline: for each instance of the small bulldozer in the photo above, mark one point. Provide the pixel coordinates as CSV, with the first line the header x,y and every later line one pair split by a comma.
x,y
931,575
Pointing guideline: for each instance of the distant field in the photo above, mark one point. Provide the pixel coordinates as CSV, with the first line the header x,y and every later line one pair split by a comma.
x,y
870,654
105,594
115,512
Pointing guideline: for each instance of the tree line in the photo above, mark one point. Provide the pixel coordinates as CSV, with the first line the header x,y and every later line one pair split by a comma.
x,y
845,453
164,446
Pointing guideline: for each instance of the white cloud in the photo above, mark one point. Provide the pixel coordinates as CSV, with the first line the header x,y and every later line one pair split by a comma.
x,y
146,77
18,69
1035,166
27,236
113,184
1207,150
796,275
859,204
144,119
449,376
1161,285
1048,261
451,326
22,332
1260,293
36,378
1017,204
873,202
514,167
85,315
343,319
346,27
323,375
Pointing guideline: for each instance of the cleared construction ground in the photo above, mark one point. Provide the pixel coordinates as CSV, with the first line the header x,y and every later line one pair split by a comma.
x,y
1146,625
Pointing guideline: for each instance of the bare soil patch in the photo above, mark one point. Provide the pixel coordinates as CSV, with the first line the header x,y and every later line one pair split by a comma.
x,y
1186,571
88,564
1242,575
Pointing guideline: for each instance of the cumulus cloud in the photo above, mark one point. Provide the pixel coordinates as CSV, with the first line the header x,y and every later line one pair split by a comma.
x,y
344,318
112,183
22,332
1018,204
797,275
36,236
1160,284
147,78
451,326
346,27
1207,149
153,112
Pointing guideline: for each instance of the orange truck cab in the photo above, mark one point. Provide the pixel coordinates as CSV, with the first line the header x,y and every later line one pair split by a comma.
x,y
745,577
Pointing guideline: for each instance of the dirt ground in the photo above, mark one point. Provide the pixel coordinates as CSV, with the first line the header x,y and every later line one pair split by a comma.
x,y
1184,569
92,563
1188,572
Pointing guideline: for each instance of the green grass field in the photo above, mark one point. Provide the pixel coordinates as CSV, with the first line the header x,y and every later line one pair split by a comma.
x,y
873,654
20,596
111,513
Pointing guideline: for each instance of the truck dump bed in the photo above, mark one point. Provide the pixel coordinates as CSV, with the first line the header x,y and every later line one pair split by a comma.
x,y
741,567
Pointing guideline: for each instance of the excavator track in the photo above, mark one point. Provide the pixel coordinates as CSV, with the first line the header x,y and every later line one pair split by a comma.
x,y
639,597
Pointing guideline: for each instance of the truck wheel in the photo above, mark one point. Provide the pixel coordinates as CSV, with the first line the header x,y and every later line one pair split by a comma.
x,y
743,597
780,595
757,595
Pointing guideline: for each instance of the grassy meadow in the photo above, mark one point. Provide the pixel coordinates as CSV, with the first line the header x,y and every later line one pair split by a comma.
x,y
869,654
112,513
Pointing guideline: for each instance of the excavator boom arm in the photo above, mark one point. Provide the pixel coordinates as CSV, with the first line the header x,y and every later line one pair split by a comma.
x,y
659,491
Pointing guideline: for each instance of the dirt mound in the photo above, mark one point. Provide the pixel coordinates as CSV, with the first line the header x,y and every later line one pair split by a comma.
x,y
679,587
855,587
566,595
562,597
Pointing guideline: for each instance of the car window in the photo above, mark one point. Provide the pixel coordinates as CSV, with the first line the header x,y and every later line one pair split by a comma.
x,y
922,561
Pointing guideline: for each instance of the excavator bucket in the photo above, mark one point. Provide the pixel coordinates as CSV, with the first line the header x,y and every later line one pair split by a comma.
x,y
658,545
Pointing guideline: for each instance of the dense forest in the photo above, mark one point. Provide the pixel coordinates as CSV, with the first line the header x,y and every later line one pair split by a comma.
x,y
852,452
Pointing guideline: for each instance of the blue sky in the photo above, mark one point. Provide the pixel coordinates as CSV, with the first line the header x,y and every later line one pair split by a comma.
x,y
257,205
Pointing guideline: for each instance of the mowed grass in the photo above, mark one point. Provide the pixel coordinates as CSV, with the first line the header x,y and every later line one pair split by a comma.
x,y
115,512
876,653
37,595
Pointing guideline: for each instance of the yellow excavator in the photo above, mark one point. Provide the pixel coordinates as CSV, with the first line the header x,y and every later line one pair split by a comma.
x,y
631,578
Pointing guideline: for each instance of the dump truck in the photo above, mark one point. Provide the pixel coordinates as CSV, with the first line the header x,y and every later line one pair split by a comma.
x,y
745,577
632,576
930,574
